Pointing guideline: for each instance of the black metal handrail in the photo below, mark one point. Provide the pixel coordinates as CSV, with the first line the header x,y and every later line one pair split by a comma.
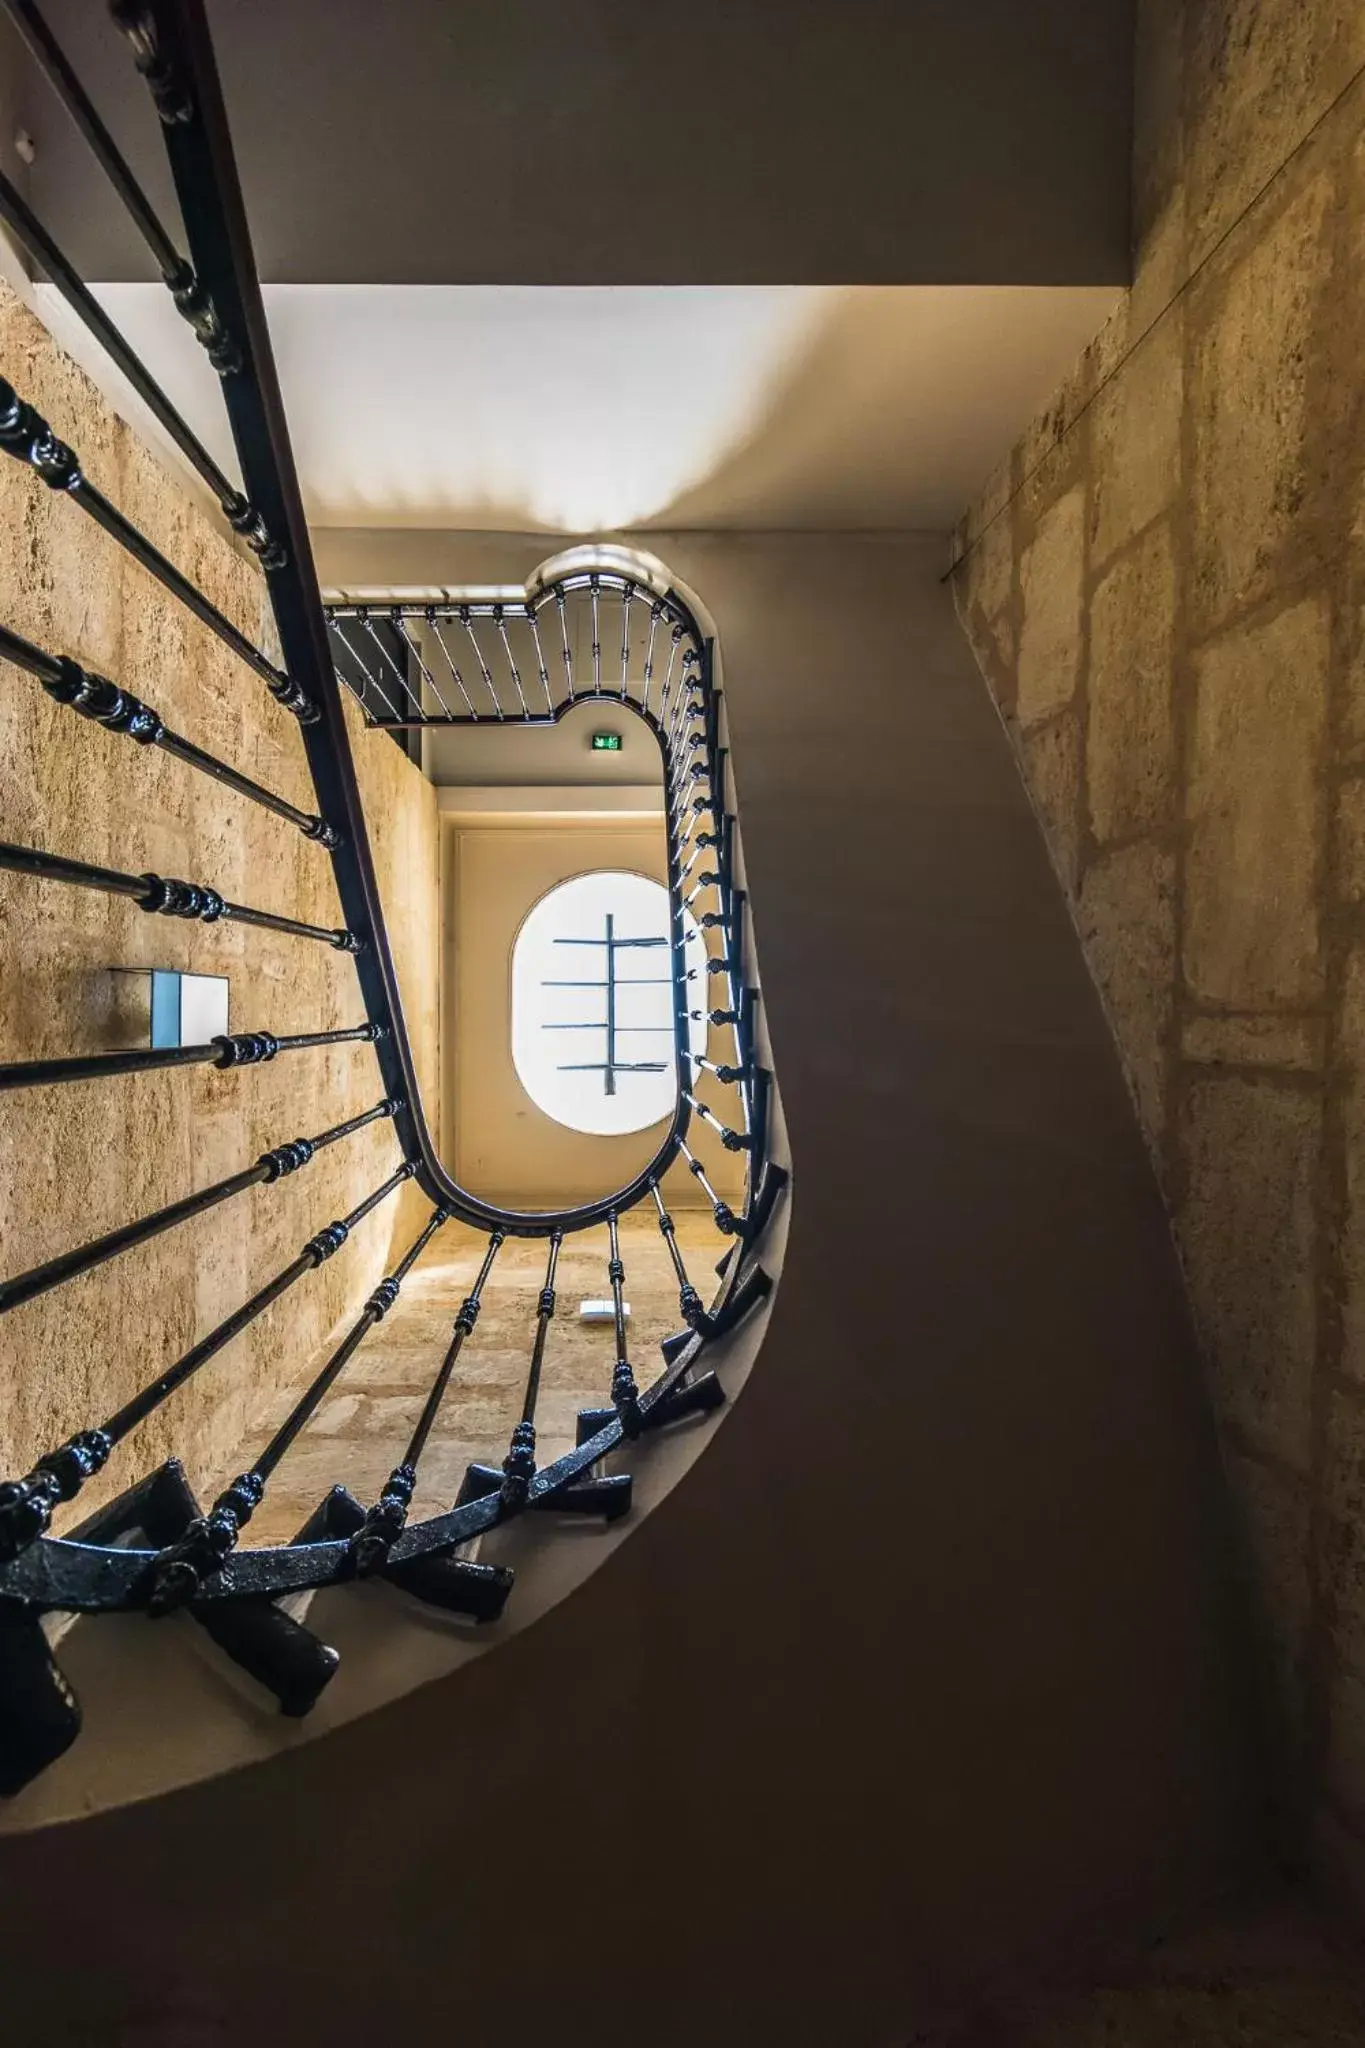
x,y
271,1166
395,682
414,686
95,697
150,1548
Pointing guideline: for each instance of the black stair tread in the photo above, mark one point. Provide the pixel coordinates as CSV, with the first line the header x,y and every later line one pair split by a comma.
x,y
279,1653
454,1583
338,1514
162,1500
271,1647
477,1590
609,1496
590,1422
40,1716
696,1397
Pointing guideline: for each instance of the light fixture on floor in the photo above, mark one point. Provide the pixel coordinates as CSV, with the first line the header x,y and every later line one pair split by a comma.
x,y
600,1311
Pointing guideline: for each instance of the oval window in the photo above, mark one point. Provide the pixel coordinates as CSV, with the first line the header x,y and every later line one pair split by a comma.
x,y
592,1003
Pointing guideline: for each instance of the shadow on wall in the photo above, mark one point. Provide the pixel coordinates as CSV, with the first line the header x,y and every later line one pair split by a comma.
x,y
1163,588
801,408
898,400
858,407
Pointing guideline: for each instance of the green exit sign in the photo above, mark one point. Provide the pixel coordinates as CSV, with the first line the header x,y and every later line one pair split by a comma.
x,y
606,743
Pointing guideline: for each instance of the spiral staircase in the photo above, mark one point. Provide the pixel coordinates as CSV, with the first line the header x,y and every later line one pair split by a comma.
x,y
910,1670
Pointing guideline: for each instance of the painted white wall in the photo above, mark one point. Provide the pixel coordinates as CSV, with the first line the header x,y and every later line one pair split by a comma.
x,y
581,409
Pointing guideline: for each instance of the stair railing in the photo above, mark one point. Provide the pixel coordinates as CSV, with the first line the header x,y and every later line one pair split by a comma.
x,y
152,1548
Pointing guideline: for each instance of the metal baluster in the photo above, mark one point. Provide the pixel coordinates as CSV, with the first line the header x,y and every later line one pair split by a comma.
x,y
689,790
726,1220
53,61
688,818
467,621
655,613
501,625
396,620
687,826
682,767
434,623
26,435
692,686
689,1301
27,1504
96,698
564,636
368,623
733,1141
689,673
741,999
371,682
627,595
170,94
690,703
171,898
237,1049
716,964
594,583
733,1077
675,637
385,1521
707,920
270,1167
700,843
715,1016
698,800
680,751
691,861
540,657
709,880
519,1466
625,1395
241,515
180,1570
187,290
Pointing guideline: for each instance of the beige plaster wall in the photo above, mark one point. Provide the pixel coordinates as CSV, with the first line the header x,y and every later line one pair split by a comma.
x,y
503,1146
79,1159
1163,583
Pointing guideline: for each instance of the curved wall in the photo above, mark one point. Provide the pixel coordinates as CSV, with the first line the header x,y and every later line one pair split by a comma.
x,y
927,1669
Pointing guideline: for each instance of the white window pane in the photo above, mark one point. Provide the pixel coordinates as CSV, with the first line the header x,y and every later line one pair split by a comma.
x,y
592,1003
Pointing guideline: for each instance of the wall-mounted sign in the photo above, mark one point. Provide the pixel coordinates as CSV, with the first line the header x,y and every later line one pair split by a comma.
x,y
188,1009
606,743
160,1006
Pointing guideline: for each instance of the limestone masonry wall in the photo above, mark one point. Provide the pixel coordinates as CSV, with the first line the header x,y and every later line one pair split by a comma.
x,y
1165,587
79,1159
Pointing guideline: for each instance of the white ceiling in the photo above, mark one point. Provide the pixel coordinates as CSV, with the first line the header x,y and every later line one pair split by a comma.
x,y
585,409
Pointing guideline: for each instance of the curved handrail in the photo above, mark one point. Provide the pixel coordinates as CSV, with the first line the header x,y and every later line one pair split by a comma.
x,y
538,594
190,1558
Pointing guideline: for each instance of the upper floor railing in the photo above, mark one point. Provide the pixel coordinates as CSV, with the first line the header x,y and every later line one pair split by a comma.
x,y
579,634
152,1548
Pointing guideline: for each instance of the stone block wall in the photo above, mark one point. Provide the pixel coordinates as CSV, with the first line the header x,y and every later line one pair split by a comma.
x,y
1165,587
79,1159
